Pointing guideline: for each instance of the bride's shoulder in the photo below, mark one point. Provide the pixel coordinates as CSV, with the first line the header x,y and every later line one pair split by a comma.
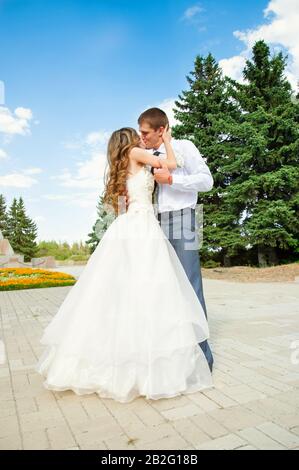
x,y
134,150
137,151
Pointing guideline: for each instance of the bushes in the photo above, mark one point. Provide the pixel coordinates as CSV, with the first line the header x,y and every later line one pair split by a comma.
x,y
211,264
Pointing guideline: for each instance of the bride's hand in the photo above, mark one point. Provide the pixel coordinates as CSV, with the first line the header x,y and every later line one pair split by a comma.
x,y
166,136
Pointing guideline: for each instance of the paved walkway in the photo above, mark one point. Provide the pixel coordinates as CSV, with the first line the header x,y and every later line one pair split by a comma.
x,y
254,405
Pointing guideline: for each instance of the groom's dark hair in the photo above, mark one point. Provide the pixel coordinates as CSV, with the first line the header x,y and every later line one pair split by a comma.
x,y
155,117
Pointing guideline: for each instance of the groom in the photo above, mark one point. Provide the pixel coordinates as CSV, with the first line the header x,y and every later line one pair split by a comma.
x,y
176,198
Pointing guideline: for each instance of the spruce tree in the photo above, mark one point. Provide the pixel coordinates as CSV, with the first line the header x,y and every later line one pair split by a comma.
x,y
3,216
266,171
206,114
22,231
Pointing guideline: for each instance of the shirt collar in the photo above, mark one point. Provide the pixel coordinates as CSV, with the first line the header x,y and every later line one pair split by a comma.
x,y
160,149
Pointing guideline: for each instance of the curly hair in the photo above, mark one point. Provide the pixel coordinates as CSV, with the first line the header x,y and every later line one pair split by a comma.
x,y
119,146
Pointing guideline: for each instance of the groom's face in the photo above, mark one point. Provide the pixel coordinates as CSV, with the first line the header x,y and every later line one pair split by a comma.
x,y
151,138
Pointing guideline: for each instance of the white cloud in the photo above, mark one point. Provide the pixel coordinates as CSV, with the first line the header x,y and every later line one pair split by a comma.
x,y
97,138
17,122
192,11
17,180
3,154
192,15
279,29
233,67
86,178
33,199
32,171
39,218
85,199
87,174
20,179
71,145
23,113
93,139
57,197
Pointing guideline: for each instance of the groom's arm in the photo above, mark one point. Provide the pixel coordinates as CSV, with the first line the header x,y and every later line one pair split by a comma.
x,y
199,177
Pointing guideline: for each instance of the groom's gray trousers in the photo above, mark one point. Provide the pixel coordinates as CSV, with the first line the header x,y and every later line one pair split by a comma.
x,y
180,227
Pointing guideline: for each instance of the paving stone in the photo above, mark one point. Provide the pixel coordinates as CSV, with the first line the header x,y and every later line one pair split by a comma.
x,y
254,403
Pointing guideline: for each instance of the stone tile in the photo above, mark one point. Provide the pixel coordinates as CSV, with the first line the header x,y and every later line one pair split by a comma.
x,y
260,440
60,437
26,405
166,443
9,425
279,434
254,403
236,418
129,420
220,398
209,426
36,440
181,412
40,420
190,432
11,442
149,416
152,433
228,442
121,442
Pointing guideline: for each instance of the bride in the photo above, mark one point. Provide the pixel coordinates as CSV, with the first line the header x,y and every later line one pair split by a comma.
x,y
132,323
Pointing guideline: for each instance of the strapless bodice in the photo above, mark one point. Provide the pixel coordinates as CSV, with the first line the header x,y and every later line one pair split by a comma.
x,y
140,188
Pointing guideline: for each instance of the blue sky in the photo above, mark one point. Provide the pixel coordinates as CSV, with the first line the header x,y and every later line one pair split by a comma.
x,y
73,71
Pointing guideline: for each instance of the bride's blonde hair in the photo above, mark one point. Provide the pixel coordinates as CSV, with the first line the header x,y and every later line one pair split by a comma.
x,y
119,146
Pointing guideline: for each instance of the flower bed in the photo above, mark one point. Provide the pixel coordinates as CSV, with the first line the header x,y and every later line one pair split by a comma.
x,y
27,278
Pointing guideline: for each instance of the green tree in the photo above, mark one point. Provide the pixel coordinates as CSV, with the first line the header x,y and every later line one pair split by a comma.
x,y
3,216
22,231
266,171
207,115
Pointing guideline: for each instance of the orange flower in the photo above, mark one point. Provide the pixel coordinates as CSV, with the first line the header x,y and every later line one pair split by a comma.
x,y
24,278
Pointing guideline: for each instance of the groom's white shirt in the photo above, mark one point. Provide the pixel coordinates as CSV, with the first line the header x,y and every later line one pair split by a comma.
x,y
188,180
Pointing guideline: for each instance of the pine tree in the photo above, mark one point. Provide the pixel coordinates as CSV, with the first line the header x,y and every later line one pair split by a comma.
x,y
3,216
206,115
266,172
105,218
13,227
22,231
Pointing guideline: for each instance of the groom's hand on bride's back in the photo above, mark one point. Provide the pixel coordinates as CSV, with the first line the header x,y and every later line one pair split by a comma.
x,y
162,174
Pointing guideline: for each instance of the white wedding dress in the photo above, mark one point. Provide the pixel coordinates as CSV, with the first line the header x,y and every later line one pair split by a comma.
x,y
131,324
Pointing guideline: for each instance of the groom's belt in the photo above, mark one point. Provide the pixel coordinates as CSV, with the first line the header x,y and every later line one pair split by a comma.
x,y
176,213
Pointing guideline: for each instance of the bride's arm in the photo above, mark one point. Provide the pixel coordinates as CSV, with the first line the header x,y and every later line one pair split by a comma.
x,y
171,160
142,156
